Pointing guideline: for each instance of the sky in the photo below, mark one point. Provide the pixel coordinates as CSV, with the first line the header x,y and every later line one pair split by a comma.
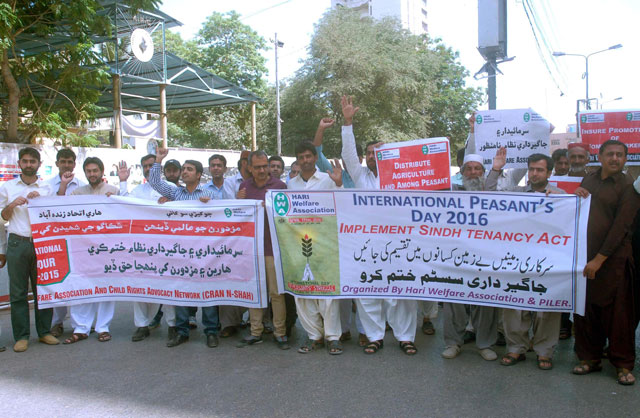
x,y
570,26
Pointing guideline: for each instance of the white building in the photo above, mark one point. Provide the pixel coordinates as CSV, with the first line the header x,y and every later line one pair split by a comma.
x,y
411,13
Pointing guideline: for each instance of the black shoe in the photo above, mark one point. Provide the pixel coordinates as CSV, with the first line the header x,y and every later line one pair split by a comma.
x,y
501,342
172,332
468,337
140,334
2,348
155,322
212,340
177,340
249,340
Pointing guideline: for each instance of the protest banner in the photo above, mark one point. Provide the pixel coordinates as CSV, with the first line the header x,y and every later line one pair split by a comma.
x,y
521,131
622,125
421,164
510,250
97,248
566,183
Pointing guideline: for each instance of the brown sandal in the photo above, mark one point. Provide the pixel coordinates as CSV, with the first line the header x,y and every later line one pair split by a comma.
x,y
75,337
373,347
625,374
103,337
586,367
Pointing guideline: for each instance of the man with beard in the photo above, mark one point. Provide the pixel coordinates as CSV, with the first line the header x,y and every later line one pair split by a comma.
x,y
319,317
192,190
560,162
143,312
21,256
83,315
66,163
401,314
276,166
610,311
578,158
517,323
255,187
484,319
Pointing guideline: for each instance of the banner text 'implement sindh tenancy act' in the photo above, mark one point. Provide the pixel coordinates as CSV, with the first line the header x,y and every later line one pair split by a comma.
x,y
512,250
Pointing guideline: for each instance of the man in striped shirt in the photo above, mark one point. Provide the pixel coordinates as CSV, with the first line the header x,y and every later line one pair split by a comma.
x,y
192,190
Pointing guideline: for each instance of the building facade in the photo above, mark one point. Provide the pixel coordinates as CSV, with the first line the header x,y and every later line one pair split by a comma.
x,y
412,14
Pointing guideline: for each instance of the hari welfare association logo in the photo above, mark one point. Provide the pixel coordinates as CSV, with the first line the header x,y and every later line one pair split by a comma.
x,y
307,251
583,118
425,149
281,204
228,212
629,116
526,117
479,119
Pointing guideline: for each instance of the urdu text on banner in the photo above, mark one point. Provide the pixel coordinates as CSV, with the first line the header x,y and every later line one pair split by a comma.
x,y
510,250
95,248
521,131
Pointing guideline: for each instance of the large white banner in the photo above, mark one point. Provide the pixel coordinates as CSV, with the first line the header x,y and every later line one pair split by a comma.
x,y
521,131
97,248
511,250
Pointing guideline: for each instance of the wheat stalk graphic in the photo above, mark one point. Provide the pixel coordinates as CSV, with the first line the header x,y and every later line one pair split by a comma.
x,y
307,249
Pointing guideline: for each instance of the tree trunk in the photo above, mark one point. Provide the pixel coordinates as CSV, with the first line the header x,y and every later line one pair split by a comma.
x,y
14,98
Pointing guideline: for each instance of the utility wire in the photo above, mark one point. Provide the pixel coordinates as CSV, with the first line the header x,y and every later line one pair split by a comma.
x,y
264,10
540,49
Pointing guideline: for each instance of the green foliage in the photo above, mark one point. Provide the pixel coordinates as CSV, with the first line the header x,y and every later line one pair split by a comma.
x,y
229,49
406,86
59,88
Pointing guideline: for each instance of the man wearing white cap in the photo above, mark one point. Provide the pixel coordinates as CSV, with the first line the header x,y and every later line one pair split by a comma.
x,y
455,315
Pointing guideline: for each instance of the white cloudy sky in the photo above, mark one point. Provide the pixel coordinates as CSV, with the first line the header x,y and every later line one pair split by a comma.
x,y
572,26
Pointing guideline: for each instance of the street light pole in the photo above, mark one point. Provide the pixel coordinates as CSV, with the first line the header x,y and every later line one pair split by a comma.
x,y
277,44
586,67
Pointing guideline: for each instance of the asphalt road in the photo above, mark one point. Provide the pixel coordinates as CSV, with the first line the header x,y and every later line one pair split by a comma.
x,y
122,378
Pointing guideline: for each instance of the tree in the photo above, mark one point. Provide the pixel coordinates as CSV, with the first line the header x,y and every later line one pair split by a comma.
x,y
54,89
229,49
407,86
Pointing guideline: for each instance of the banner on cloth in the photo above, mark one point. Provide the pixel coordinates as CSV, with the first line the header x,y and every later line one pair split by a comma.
x,y
421,164
566,183
598,127
98,248
511,250
521,131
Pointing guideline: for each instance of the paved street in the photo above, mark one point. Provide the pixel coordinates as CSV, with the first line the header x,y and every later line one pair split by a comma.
x,y
122,378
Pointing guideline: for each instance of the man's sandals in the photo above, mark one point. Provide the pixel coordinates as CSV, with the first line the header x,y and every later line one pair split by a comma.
x,y
625,377
334,347
373,346
310,346
545,363
586,367
509,360
408,347
75,338
103,337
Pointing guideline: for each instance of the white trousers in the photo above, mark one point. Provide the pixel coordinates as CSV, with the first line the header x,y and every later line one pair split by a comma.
x,y
58,315
169,315
320,318
429,309
402,316
82,316
143,313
